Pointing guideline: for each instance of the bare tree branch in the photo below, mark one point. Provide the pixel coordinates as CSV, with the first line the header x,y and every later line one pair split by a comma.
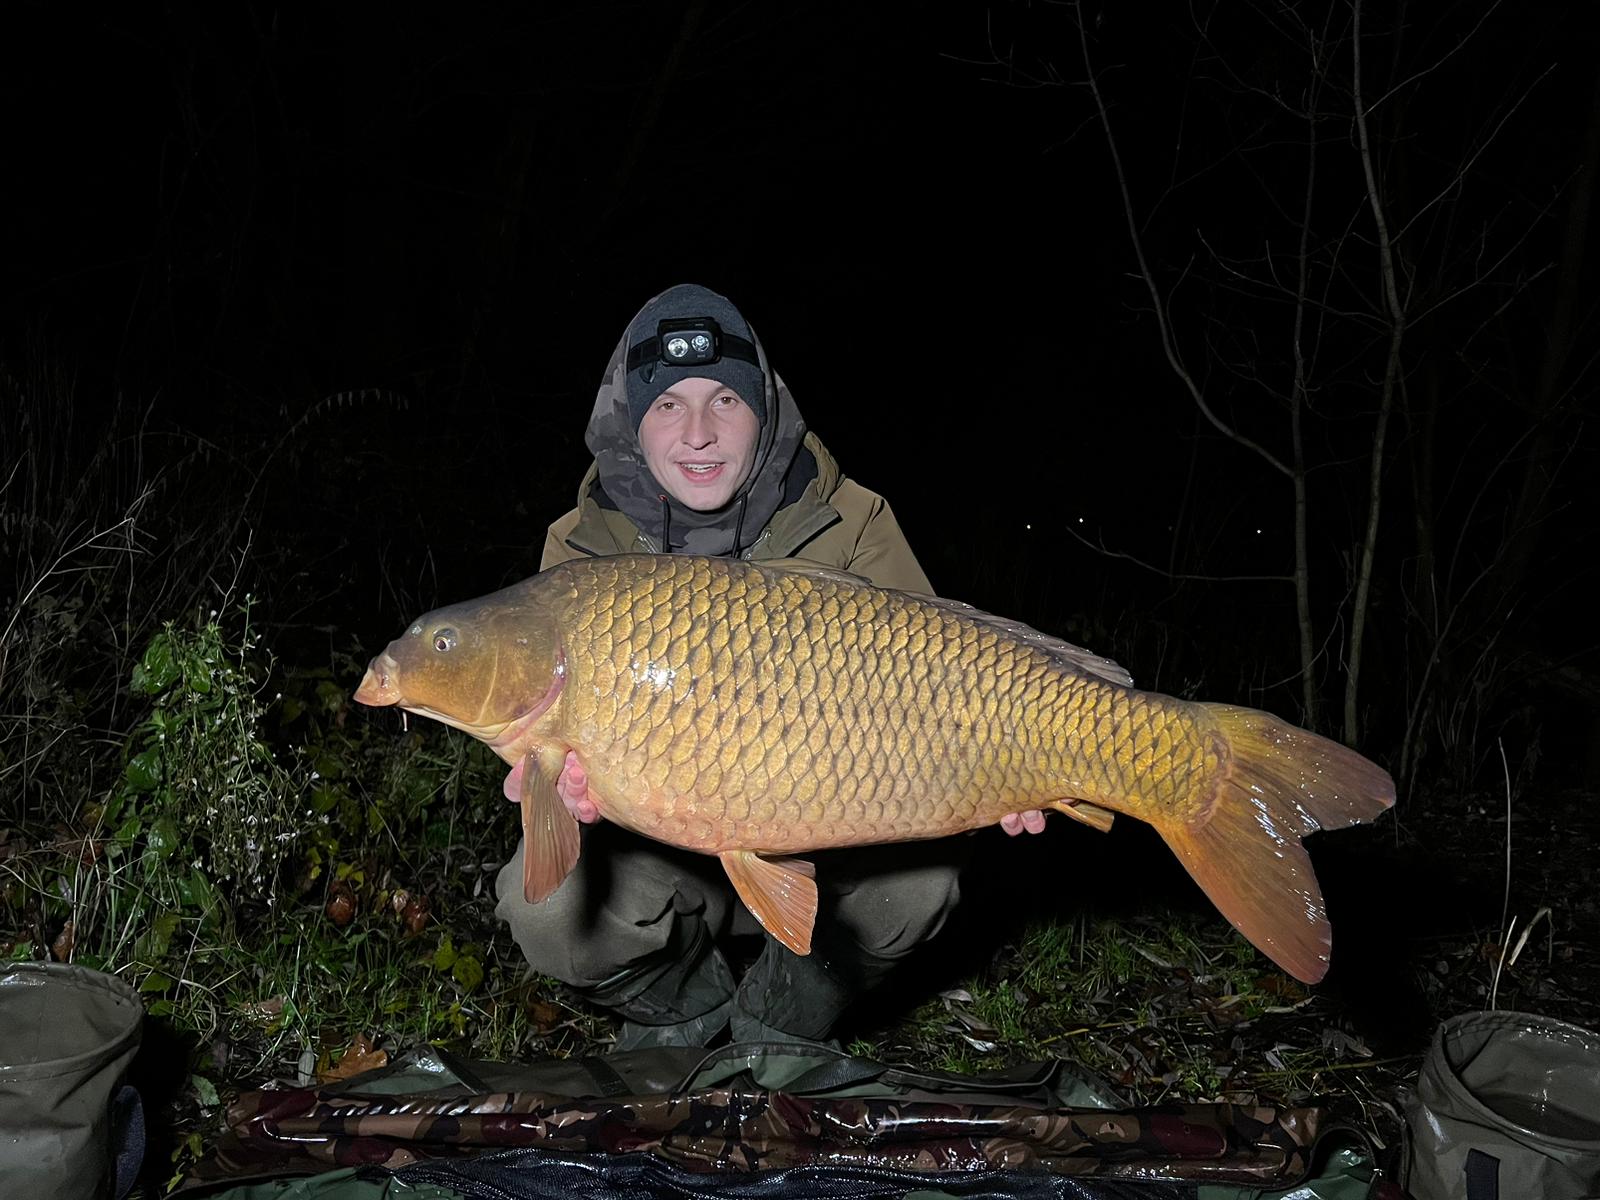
x,y
1391,373
1168,344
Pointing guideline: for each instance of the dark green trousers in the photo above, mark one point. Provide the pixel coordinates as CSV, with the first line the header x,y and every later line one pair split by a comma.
x,y
635,927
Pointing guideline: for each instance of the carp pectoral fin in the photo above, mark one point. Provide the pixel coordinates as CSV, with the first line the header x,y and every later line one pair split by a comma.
x,y
781,892
1090,814
550,834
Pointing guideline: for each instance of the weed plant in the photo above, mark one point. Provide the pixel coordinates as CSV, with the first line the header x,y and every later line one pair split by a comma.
x,y
273,871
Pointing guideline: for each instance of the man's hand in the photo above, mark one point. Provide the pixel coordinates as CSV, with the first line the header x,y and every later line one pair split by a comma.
x,y
573,788
1015,823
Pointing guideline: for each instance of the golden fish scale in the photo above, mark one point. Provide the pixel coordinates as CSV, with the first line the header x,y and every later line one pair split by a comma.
x,y
718,706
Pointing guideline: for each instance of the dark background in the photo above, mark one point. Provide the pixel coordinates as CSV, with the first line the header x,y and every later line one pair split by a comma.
x,y
361,268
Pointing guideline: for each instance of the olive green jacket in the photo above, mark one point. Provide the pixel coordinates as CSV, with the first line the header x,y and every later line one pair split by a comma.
x,y
836,522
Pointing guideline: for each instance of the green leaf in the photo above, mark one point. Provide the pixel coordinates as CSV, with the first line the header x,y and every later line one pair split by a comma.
x,y
467,971
205,1091
162,839
196,892
160,1008
157,669
326,763
153,945
197,672
445,956
323,799
156,982
143,771
129,830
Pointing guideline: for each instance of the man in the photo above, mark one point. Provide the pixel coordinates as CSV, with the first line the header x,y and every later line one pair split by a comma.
x,y
700,449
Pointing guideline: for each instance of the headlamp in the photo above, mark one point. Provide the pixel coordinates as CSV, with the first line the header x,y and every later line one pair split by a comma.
x,y
690,342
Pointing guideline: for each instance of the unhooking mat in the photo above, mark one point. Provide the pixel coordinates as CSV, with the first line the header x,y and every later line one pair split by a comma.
x,y
751,1121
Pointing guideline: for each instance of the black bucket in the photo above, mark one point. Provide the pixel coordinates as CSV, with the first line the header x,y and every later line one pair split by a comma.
x,y
1506,1105
67,1035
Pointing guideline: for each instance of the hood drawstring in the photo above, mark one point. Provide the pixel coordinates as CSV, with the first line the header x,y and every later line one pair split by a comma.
x,y
738,523
666,523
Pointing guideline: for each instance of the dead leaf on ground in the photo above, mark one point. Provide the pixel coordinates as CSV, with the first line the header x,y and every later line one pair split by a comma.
x,y
543,1015
343,903
415,914
360,1056
61,949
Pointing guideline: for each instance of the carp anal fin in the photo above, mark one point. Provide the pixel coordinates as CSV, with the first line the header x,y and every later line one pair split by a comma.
x,y
781,892
1091,815
550,834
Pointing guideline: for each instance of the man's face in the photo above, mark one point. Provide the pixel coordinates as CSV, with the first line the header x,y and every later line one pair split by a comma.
x,y
699,441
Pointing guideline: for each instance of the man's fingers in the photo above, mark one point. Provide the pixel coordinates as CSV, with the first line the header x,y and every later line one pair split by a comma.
x,y
573,787
1031,821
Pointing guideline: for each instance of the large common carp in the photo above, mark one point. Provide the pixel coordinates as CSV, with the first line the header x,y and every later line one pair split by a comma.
x,y
758,711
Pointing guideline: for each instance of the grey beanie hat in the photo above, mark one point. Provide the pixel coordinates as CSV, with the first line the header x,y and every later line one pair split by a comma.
x,y
648,376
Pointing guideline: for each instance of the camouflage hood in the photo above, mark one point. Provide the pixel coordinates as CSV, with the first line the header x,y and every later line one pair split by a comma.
x,y
624,483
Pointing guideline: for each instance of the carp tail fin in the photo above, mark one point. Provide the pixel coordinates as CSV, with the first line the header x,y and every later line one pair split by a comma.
x,y
1281,783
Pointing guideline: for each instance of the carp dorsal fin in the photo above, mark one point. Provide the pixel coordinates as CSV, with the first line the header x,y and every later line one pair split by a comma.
x,y
550,834
805,566
1074,656
781,892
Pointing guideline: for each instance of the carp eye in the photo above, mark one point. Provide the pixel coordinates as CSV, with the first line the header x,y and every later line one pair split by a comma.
x,y
444,639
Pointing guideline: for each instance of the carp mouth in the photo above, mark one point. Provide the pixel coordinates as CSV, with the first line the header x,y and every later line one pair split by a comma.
x,y
379,687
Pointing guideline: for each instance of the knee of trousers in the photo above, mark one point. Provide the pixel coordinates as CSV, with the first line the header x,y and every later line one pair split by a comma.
x,y
891,912
595,926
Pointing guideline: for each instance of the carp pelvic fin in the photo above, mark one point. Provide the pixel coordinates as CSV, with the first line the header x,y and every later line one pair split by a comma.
x,y
781,892
1281,783
550,833
1091,815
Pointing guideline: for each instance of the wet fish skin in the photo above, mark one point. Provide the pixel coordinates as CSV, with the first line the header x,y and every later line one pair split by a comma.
x,y
754,711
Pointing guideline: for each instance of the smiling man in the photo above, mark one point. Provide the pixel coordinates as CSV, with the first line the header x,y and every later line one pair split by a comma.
x,y
700,449
699,441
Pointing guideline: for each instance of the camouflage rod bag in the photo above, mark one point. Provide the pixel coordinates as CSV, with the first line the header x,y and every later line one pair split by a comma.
x,y
1506,1105
67,1128
757,1120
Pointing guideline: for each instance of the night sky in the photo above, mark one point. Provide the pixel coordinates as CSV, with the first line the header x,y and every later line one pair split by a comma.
x,y
219,217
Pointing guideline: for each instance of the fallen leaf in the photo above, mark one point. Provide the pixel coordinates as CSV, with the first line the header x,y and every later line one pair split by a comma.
x,y
358,1057
415,914
61,949
343,904
544,1015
